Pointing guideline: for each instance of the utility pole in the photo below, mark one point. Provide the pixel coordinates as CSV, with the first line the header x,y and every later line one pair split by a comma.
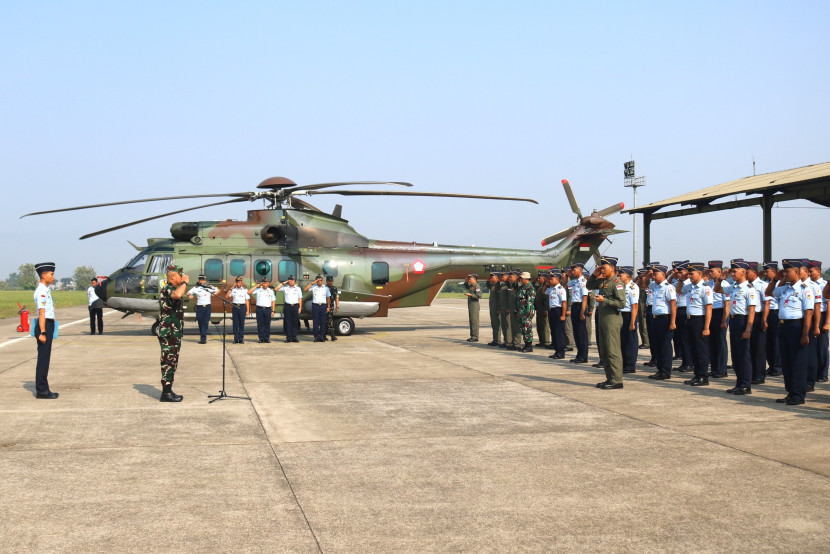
x,y
630,180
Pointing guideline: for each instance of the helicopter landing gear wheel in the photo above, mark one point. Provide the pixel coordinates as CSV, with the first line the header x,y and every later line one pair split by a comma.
x,y
343,326
155,328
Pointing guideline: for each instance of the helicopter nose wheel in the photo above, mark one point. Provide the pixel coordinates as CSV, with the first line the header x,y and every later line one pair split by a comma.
x,y
155,328
344,326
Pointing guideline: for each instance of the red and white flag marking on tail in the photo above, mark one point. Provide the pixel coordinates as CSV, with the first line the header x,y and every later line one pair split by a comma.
x,y
584,246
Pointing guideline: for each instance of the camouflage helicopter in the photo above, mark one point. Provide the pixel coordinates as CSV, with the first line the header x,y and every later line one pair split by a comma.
x,y
291,237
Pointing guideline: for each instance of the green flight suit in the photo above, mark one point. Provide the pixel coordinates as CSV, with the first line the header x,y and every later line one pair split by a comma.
x,y
513,305
473,308
495,318
610,324
507,334
542,325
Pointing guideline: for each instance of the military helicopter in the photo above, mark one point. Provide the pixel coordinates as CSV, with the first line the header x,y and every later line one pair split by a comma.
x,y
289,236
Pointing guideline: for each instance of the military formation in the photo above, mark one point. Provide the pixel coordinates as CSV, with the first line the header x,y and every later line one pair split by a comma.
x,y
771,321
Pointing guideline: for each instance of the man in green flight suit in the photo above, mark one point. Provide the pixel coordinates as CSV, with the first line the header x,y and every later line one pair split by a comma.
x,y
495,318
542,326
525,310
504,310
473,305
610,298
171,317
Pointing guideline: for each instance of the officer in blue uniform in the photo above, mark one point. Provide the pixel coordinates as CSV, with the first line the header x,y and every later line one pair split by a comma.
x,y
628,331
44,328
266,306
557,305
663,312
772,348
579,312
293,306
743,300
698,321
678,278
795,312
718,351
819,333
239,297
758,340
202,292
319,307
649,285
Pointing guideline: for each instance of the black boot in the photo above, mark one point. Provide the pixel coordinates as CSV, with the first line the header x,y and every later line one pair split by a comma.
x,y
167,394
333,337
528,347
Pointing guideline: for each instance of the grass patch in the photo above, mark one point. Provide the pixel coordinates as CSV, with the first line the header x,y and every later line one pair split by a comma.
x,y
62,298
459,295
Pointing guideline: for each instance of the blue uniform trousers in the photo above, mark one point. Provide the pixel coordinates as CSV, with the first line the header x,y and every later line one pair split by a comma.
x,y
318,315
822,344
557,331
628,343
291,320
793,357
697,346
679,338
773,348
263,322
203,318
662,343
650,331
757,348
96,314
580,332
44,355
239,313
718,351
741,362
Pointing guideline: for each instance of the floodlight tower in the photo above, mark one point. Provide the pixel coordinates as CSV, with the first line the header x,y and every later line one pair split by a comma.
x,y
631,181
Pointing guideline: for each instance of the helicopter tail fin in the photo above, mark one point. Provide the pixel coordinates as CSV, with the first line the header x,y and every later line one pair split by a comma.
x,y
580,247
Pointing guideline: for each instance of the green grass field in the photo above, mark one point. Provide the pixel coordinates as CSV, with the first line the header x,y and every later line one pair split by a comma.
x,y
62,298
459,295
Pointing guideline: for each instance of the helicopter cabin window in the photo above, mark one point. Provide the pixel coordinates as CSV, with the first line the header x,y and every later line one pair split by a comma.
x,y
156,270
380,273
330,268
287,268
262,269
237,268
214,269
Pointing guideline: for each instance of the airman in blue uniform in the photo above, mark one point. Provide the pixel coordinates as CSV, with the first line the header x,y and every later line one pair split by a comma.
x,y
557,296
44,328
663,312
202,292
743,300
758,339
718,350
579,307
698,321
772,347
678,278
629,312
821,327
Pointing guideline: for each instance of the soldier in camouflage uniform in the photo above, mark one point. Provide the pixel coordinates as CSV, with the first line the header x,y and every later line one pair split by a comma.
x,y
171,316
334,305
504,310
512,304
526,310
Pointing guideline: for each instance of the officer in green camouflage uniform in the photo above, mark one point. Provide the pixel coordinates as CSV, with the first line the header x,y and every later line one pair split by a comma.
x,y
610,298
526,310
542,326
504,310
495,318
171,318
473,292
334,305
514,310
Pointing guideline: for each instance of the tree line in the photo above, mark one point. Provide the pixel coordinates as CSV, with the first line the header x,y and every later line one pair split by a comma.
x,y
26,278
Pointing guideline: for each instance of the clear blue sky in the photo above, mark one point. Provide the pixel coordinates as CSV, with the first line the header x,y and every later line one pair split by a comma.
x,y
107,101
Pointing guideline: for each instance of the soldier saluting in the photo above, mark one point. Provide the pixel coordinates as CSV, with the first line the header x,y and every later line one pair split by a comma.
x,y
171,317
610,298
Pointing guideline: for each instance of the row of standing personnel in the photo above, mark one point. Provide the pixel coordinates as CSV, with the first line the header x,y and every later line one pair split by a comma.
x,y
686,310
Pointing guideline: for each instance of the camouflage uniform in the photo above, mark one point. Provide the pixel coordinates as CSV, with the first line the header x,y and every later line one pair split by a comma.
x,y
170,331
525,301
504,308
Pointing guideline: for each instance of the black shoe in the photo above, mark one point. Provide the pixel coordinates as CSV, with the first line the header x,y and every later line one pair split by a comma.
x,y
493,343
167,394
512,347
697,382
783,400
740,391
295,340
333,338
821,380
643,347
235,341
599,385
47,395
503,345
262,341
549,347
629,371
541,344
729,367
774,373
758,381
288,340
650,364
203,341
810,388
718,375
794,401
527,348
683,369
242,342
676,358
569,349
660,376
598,364
610,386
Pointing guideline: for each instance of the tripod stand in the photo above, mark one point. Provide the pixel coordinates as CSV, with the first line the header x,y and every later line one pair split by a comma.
x,y
222,394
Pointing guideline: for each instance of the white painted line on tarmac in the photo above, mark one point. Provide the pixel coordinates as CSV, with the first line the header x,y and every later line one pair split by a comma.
x,y
62,325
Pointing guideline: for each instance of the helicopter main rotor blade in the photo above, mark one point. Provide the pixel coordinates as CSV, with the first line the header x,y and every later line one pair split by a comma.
x,y
556,236
342,183
295,202
571,199
245,195
401,193
612,209
101,232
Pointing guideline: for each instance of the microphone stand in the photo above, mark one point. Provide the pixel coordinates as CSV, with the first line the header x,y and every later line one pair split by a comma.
x,y
222,394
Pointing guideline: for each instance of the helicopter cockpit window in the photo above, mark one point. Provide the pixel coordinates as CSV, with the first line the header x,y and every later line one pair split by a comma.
x,y
214,269
287,268
137,262
262,268
157,269
237,268
330,268
380,273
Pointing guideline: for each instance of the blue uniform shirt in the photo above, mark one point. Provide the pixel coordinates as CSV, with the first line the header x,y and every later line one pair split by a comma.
x,y
557,296
793,300
718,298
578,289
264,296
773,302
43,301
699,296
632,296
741,298
760,289
682,299
818,292
664,293
652,285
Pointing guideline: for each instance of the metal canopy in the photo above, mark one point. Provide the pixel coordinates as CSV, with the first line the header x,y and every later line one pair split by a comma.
x,y
811,182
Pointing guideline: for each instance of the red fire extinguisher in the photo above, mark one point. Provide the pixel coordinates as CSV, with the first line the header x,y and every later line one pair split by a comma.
x,y
24,319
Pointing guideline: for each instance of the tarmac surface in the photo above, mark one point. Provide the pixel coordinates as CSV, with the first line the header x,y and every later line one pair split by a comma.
x,y
400,438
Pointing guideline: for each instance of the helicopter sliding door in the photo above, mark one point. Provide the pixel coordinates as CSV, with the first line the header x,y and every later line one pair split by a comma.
x,y
156,271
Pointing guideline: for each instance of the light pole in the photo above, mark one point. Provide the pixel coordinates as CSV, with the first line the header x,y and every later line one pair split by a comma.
x,y
631,181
